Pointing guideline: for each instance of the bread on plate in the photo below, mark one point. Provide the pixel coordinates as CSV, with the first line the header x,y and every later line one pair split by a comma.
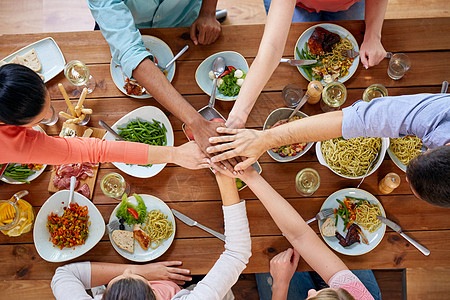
x,y
328,228
124,240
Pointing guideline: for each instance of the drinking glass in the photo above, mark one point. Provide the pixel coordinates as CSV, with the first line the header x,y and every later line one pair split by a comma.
x,y
114,185
334,95
51,118
307,181
292,94
398,65
77,73
374,91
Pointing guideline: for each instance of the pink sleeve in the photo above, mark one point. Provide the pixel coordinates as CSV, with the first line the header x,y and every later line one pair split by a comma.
x,y
25,145
348,281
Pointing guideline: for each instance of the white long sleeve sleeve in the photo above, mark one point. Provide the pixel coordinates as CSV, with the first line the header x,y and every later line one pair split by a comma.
x,y
71,281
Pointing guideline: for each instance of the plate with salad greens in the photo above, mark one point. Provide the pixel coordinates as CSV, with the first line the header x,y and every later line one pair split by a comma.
x,y
229,82
147,124
352,207
330,60
17,173
143,205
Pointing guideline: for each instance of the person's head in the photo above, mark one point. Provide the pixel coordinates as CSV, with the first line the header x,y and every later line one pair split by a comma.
x,y
24,99
129,286
428,175
329,294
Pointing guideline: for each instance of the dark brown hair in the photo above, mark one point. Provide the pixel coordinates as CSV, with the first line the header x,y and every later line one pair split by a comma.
x,y
129,288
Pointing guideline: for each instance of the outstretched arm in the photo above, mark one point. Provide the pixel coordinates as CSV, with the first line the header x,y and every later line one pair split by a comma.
x,y
268,57
372,51
252,143
294,228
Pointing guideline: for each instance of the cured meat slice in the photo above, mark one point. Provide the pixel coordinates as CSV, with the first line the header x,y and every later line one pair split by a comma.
x,y
85,190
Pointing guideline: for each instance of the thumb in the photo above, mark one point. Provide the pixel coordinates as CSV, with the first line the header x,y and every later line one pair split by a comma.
x,y
364,60
193,33
244,165
295,257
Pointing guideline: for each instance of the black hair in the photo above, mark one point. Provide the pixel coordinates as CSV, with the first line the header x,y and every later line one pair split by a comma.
x,y
22,94
129,288
429,176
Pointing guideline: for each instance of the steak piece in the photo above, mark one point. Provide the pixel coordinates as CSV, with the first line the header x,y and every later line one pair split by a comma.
x,y
351,237
322,41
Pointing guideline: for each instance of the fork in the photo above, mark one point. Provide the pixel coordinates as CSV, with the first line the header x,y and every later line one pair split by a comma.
x,y
323,214
352,53
113,225
368,169
164,69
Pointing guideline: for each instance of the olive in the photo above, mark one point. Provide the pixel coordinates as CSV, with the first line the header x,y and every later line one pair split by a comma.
x,y
122,227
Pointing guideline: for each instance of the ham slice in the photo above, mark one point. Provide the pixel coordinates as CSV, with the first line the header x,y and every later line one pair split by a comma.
x,y
81,171
84,190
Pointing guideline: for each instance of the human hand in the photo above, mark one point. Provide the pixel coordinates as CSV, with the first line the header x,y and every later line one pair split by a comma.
x,y
239,142
371,52
283,266
205,30
163,271
190,156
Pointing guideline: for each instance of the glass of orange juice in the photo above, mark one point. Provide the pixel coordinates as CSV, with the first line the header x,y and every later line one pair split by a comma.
x,y
16,215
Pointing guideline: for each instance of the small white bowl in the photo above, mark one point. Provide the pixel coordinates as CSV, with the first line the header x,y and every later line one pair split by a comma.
x,y
384,147
275,116
202,74
144,113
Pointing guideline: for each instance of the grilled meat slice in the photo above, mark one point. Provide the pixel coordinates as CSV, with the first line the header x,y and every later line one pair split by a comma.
x,y
351,237
322,41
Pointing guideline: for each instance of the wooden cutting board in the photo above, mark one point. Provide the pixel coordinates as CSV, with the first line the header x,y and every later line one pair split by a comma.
x,y
90,181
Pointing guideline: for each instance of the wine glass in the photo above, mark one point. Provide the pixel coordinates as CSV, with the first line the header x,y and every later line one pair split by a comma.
x,y
77,73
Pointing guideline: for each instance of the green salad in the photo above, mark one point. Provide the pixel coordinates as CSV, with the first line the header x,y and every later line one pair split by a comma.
x,y
230,81
131,213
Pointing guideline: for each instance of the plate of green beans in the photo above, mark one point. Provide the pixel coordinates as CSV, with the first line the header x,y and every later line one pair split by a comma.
x,y
148,125
18,173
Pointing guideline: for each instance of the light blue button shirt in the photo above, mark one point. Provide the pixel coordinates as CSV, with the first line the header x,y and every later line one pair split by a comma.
x,y
425,115
119,21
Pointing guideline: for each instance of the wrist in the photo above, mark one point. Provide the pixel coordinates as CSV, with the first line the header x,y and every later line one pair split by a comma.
x,y
171,154
194,121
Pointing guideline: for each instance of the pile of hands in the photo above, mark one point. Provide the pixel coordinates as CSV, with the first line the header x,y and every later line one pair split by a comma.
x,y
224,149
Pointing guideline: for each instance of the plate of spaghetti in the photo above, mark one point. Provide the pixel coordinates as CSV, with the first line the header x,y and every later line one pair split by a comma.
x,y
354,208
159,224
325,42
350,158
403,150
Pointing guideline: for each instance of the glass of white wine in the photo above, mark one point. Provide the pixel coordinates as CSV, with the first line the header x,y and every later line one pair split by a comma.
x,y
77,73
307,182
334,95
374,91
114,185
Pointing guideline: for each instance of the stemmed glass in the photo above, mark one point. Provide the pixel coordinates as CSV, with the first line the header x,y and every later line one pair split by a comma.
x,y
77,73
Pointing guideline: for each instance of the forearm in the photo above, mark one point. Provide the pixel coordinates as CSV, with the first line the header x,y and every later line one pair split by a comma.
x,y
374,17
294,228
311,129
208,7
268,57
280,291
228,190
150,77
102,273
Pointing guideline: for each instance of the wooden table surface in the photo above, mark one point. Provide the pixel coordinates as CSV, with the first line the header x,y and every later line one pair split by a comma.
x,y
195,193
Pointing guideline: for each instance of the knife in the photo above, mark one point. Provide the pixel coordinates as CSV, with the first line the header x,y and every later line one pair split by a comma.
x,y
298,62
398,229
190,222
110,130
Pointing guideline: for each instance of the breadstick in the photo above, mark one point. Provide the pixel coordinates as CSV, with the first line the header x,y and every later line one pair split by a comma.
x,y
66,115
82,97
76,120
69,104
86,111
88,132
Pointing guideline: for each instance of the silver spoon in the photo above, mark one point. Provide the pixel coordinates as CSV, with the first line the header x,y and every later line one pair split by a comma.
x,y
444,87
110,130
185,48
218,67
73,181
368,169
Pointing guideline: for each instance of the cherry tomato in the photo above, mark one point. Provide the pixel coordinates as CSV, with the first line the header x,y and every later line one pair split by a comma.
x,y
133,212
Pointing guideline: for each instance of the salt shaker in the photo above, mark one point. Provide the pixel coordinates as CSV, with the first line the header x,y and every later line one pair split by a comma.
x,y
389,183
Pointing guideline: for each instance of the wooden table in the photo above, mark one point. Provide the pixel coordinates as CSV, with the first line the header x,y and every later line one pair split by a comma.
x,y
195,193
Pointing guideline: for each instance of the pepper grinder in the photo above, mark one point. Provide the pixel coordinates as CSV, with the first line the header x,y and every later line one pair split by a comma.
x,y
389,183
314,91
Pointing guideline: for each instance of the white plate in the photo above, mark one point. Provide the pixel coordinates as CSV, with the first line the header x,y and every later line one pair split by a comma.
x,y
158,49
275,116
202,73
139,254
373,237
50,56
344,33
41,235
144,113
384,147
29,178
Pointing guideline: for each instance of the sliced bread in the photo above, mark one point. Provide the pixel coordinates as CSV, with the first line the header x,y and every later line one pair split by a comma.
x,y
31,60
124,240
141,236
328,228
